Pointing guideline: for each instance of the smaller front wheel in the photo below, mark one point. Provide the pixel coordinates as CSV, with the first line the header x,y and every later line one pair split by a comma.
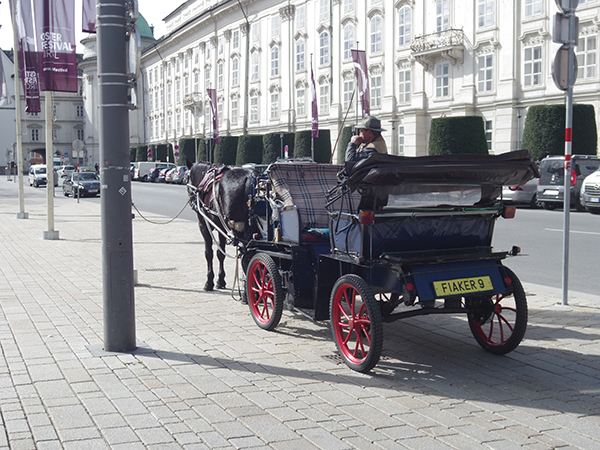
x,y
356,323
498,322
264,291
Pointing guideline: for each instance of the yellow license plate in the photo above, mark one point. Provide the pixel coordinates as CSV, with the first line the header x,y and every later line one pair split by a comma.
x,y
462,286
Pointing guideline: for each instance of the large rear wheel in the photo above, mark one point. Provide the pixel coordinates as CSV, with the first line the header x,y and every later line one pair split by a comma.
x,y
498,323
356,323
264,291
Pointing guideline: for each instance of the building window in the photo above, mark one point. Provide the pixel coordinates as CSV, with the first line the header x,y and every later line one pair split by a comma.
x,y
156,99
186,120
348,90
300,55
533,7
169,69
404,85
80,135
220,76
35,134
488,134
532,66
376,91
178,121
485,13
274,26
324,98
196,82
324,48
323,10
220,46
79,110
254,66
376,31
442,80
401,139
235,39
54,134
301,102
255,34
348,41
442,15
161,96
275,61
586,58
234,112
404,26
300,17
274,105
186,86
254,108
169,93
177,90
196,59
235,71
348,6
485,73
220,113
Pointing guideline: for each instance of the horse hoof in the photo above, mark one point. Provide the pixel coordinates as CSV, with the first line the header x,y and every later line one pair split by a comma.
x,y
208,287
221,285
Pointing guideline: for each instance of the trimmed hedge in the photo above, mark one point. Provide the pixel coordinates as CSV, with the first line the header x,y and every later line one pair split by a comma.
x,y
250,149
162,151
133,154
226,150
186,153
322,145
544,132
141,153
344,141
457,135
272,146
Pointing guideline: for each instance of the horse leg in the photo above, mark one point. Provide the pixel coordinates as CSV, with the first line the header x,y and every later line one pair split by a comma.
x,y
221,257
208,254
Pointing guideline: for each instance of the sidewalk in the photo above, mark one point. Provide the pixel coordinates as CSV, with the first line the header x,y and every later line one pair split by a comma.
x,y
206,377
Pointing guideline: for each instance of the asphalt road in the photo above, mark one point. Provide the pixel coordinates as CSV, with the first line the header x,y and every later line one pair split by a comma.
x,y
538,232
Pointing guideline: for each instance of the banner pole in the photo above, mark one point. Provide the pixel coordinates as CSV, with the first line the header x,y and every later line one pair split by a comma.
x,y
50,233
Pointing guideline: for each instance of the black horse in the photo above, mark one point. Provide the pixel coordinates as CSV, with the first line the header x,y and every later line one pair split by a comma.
x,y
224,200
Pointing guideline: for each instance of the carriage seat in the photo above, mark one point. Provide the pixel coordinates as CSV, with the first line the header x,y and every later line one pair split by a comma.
x,y
301,189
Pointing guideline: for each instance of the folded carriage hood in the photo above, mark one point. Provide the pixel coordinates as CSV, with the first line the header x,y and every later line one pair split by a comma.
x,y
507,169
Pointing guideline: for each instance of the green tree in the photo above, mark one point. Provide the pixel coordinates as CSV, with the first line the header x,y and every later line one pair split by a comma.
x,y
142,153
544,132
457,135
344,141
302,145
186,152
272,146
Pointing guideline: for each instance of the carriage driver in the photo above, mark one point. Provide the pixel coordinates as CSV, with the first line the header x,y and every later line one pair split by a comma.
x,y
369,140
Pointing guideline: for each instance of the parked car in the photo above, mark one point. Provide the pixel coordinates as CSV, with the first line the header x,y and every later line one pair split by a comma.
x,y
179,175
525,194
153,174
82,184
550,191
65,171
169,175
589,196
162,174
38,176
143,169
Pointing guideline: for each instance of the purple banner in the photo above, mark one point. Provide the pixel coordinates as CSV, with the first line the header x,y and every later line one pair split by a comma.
x,y
362,80
212,96
28,55
89,16
56,44
315,107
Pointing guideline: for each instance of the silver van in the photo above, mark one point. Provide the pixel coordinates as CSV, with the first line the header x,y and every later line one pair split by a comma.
x,y
38,176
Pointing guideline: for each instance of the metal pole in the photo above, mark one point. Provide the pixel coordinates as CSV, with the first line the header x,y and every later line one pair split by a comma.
x,y
117,235
51,233
20,166
567,193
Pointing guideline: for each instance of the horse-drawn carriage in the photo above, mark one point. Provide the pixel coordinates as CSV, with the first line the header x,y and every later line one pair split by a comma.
x,y
382,239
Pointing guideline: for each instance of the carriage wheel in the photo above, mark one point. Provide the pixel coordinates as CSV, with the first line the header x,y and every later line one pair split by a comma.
x,y
264,290
356,323
498,323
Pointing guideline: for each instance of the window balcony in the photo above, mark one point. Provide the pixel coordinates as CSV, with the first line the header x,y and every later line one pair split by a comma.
x,y
192,100
446,45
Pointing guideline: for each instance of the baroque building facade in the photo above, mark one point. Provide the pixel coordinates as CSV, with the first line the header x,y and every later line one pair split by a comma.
x,y
425,58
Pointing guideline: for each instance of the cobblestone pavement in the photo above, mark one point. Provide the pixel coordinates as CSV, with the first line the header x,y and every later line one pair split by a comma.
x,y
205,376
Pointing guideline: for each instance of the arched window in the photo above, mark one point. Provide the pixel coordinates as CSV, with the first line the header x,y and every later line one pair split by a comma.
x,y
404,26
376,32
275,61
235,71
299,55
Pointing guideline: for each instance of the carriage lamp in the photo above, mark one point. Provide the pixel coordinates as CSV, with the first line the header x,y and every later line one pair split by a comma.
x,y
367,217
509,212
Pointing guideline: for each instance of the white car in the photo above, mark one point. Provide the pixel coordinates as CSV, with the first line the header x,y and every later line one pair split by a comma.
x,y
589,196
65,171
38,176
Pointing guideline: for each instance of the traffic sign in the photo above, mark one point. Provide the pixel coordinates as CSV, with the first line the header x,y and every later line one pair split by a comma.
x,y
564,31
563,74
567,5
